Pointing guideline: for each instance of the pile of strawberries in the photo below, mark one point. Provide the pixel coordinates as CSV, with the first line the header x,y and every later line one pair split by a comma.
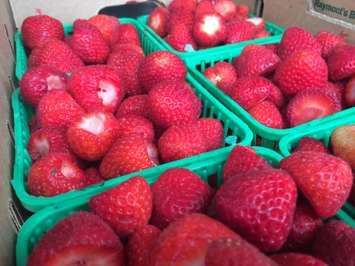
x,y
259,216
189,25
283,85
103,108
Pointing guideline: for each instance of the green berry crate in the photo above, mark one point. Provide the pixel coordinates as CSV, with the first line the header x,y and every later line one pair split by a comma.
x,y
199,55
263,135
44,220
323,133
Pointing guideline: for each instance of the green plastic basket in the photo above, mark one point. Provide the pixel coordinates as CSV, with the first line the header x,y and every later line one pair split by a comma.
x,y
200,55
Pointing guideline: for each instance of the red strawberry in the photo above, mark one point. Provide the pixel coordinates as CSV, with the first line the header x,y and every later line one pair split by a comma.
x,y
130,47
58,108
179,142
260,206
311,144
135,124
158,20
349,93
53,174
80,238
185,241
186,5
223,75
180,38
38,30
256,60
88,42
135,105
139,245
328,41
213,132
180,18
93,176
38,81
128,154
259,24
161,66
226,8
92,135
96,88
296,259
267,114
242,10
173,103
178,192
262,34
296,39
128,34
325,180
108,26
234,252
239,31
341,62
204,7
126,207
209,29
242,160
56,54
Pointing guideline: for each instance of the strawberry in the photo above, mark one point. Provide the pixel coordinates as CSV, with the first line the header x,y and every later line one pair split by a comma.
x,y
180,17
139,245
239,31
173,103
38,30
88,42
267,114
328,41
180,38
260,206
135,105
108,26
185,5
53,174
80,238
34,124
242,160
226,8
302,70
56,54
343,143
176,193
204,7
259,24
96,88
135,124
93,176
349,93
324,179
36,82
242,10
128,154
126,207
128,34
223,75
296,259
341,62
158,20
58,108
126,59
335,244
161,66
185,241
262,34
296,39
311,144
213,132
234,252
255,60
209,29
130,47
91,136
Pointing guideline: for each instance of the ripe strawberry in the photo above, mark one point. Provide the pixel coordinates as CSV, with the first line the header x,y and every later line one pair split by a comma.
x,y
328,41
226,8
234,252
92,135
341,62
88,42
128,154
161,66
180,17
209,29
311,144
296,259
80,238
158,20
267,114
135,124
128,34
108,26
53,174
139,245
262,34
126,207
185,5
296,39
96,88
56,54
58,108
38,30
349,93
259,24
178,192
93,176
324,179
242,160
37,81
223,75
268,220
180,38
135,105
126,59
239,31
204,7
213,132
173,103
185,241
256,60
242,10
